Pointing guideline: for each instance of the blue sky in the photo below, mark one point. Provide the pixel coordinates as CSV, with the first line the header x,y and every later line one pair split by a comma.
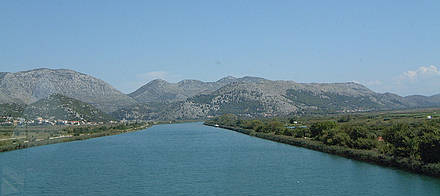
x,y
389,46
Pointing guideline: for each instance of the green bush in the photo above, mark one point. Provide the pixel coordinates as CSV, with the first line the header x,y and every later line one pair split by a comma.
x,y
430,145
317,128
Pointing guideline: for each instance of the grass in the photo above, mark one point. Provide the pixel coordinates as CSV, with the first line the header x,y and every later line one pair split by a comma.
x,y
13,138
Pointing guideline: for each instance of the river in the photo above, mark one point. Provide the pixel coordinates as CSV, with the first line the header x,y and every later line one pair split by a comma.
x,y
192,159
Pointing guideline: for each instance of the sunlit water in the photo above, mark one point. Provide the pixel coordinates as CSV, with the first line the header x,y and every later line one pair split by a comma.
x,y
192,159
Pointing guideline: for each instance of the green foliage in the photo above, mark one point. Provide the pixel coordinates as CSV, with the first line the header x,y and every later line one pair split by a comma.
x,y
102,128
227,119
11,109
298,132
31,134
357,132
335,137
404,140
329,102
60,107
430,145
345,118
364,143
317,128
408,138
274,126
253,124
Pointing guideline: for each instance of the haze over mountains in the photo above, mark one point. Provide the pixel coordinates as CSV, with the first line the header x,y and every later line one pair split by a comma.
x,y
194,99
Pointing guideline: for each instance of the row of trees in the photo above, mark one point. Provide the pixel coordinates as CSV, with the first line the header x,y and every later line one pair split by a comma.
x,y
417,143
352,136
103,128
414,141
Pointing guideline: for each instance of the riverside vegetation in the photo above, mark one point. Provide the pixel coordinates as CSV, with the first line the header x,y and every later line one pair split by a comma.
x,y
13,138
407,140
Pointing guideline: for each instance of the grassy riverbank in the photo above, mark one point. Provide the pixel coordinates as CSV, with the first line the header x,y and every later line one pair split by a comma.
x,y
25,137
14,138
390,139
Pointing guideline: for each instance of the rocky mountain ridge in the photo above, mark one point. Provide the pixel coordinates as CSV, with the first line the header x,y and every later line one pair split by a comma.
x,y
194,99
55,107
259,97
161,91
27,87
279,98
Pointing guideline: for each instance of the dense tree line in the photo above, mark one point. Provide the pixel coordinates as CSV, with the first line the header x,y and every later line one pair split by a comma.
x,y
97,129
415,142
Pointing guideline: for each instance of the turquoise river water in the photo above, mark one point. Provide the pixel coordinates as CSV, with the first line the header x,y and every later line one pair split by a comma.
x,y
192,159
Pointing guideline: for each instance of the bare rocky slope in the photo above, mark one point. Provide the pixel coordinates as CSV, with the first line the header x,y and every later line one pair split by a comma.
x,y
259,97
278,98
30,86
194,99
161,91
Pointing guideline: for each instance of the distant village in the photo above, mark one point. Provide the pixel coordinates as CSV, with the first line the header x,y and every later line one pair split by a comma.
x,y
39,121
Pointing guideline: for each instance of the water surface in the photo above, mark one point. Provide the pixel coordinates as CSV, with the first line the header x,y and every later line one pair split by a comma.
x,y
192,159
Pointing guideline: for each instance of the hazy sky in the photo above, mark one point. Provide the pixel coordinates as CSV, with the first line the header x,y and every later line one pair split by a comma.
x,y
391,46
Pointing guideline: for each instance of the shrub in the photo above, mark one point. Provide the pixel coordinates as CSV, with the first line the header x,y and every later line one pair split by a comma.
x,y
317,128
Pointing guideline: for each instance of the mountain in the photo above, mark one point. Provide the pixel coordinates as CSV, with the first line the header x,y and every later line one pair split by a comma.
x,y
161,91
423,101
277,98
192,99
259,97
142,111
12,109
30,86
435,98
60,107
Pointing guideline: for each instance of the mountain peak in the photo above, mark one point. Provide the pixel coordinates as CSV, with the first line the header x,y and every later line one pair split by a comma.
x,y
157,81
227,79
189,82
33,85
251,79
43,69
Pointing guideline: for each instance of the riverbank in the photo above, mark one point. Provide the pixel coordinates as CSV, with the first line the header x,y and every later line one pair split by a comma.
x,y
69,138
356,154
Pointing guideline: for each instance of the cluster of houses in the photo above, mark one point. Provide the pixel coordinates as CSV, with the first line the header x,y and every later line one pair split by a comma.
x,y
18,121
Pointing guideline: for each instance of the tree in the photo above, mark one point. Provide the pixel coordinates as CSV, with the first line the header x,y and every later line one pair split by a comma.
x,y
430,145
301,132
364,143
345,118
253,124
357,132
228,119
403,139
335,137
274,126
317,128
